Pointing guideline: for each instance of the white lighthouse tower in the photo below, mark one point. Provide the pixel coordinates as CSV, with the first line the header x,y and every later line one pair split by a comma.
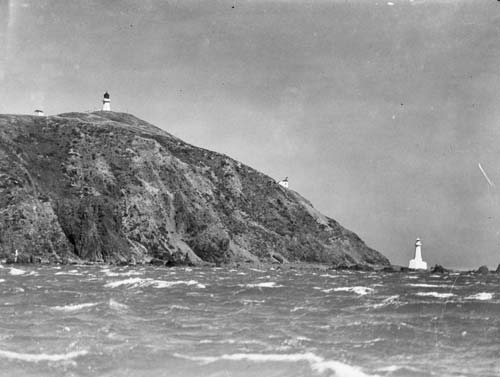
x,y
284,182
106,103
417,263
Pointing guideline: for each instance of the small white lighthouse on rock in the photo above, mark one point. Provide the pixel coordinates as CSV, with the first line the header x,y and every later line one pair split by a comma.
x,y
106,103
417,263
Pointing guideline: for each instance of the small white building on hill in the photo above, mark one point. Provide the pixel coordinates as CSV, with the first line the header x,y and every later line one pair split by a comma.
x,y
106,102
284,182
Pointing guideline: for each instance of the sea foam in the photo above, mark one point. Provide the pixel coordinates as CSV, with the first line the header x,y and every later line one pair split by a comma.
x,y
42,356
127,273
482,296
16,271
435,294
74,307
317,363
148,282
268,284
358,290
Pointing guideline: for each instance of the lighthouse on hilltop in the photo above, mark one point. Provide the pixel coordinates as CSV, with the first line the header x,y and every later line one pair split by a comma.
x,y
106,103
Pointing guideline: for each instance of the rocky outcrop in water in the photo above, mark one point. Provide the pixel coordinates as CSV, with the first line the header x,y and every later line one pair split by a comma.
x,y
110,187
438,269
483,270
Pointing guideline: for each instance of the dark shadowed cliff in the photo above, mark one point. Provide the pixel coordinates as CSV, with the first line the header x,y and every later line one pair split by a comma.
x,y
110,187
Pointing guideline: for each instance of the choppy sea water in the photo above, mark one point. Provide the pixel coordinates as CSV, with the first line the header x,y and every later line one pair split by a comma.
x,y
146,321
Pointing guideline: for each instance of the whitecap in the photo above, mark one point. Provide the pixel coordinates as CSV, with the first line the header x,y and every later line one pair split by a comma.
x,y
267,284
317,363
115,305
328,276
128,273
250,302
74,307
397,368
2,280
256,270
482,296
423,285
131,281
72,273
148,282
179,307
16,271
358,290
387,301
42,356
435,294
168,284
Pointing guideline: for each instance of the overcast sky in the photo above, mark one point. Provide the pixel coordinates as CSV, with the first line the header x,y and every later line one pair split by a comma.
x,y
379,112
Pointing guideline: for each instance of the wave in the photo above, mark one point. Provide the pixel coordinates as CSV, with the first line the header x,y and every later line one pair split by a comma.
x,y
74,307
328,276
397,368
2,280
483,296
42,356
16,271
72,273
179,307
391,300
317,363
256,270
115,305
423,285
435,294
148,282
128,273
267,284
358,290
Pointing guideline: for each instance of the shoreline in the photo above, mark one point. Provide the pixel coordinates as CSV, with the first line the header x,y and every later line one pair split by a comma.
x,y
300,266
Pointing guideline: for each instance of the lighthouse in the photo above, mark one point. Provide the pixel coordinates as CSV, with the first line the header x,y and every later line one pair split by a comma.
x,y
106,103
284,182
417,263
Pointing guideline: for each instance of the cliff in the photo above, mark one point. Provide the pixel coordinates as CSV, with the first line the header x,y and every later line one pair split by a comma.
x,y
110,187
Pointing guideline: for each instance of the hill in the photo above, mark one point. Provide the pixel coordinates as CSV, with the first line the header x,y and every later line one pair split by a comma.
x,y
110,187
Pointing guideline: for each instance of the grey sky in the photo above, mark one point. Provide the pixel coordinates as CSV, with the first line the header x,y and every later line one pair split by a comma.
x,y
377,113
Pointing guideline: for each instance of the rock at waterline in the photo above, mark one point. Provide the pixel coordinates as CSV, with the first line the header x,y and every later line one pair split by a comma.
x,y
482,270
438,269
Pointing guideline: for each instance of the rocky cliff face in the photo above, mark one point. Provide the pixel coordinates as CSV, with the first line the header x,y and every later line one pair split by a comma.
x,y
110,187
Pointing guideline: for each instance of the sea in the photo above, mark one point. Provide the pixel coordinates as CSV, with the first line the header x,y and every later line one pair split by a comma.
x,y
147,321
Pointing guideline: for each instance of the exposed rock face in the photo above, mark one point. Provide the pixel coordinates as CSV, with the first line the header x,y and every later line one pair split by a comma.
x,y
110,187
